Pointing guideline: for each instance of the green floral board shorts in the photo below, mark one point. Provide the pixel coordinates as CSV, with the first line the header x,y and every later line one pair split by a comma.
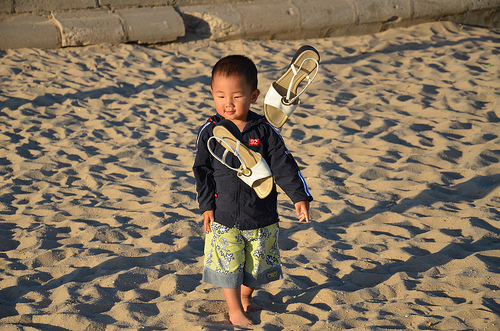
x,y
234,257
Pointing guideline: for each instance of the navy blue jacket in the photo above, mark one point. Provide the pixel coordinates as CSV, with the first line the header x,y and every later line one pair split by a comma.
x,y
235,203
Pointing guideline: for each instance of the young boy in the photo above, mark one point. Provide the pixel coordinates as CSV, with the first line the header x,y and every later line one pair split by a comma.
x,y
241,247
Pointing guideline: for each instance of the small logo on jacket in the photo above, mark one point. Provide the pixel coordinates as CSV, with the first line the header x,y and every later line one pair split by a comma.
x,y
254,142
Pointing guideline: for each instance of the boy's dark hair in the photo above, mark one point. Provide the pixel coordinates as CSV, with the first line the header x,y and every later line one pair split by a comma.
x,y
237,65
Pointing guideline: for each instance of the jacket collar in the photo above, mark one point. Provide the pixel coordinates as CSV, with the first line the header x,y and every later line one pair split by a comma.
x,y
253,120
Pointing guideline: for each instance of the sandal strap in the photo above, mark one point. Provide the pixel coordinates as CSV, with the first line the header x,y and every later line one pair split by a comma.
x,y
231,149
292,81
258,171
273,98
247,175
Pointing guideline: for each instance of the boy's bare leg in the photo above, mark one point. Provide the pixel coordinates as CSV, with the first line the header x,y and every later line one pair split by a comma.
x,y
236,313
246,299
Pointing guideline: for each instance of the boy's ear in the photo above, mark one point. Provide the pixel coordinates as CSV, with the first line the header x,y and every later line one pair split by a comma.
x,y
255,96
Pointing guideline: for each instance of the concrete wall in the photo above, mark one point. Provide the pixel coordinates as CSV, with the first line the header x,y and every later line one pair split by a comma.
x,y
61,23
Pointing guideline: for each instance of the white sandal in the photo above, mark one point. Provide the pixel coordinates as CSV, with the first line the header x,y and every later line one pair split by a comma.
x,y
282,98
254,170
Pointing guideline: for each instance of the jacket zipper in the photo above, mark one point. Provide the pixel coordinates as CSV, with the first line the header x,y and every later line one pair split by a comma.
x,y
238,189
238,197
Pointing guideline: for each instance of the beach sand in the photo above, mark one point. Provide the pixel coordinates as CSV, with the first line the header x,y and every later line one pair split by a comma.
x,y
398,138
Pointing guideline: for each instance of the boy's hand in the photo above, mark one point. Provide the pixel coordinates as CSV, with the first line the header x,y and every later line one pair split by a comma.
x,y
208,217
302,209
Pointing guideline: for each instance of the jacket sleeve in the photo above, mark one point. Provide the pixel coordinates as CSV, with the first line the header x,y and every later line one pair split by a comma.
x,y
203,171
285,169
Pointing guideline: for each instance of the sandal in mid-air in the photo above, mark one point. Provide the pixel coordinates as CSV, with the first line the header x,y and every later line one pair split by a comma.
x,y
282,98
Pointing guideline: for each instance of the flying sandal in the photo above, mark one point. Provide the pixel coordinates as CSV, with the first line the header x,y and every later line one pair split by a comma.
x,y
282,98
254,170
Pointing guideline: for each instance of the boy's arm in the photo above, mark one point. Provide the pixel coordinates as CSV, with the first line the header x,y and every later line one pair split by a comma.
x,y
286,171
203,173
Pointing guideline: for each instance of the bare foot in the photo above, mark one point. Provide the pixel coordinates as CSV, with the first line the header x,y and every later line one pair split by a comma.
x,y
239,320
249,306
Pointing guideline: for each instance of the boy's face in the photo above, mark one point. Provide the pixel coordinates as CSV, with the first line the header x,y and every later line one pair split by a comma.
x,y
233,97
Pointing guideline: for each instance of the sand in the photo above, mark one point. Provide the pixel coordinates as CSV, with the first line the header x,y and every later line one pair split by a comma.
x,y
398,138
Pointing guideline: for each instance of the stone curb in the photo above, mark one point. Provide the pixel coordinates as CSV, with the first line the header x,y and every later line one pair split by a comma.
x,y
291,19
326,18
89,27
94,26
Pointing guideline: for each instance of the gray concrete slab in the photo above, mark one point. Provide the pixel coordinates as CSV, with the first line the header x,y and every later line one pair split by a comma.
x,y
482,4
80,28
480,18
265,18
323,15
6,6
151,25
22,6
135,3
218,22
440,8
181,3
29,30
86,22
380,11
495,19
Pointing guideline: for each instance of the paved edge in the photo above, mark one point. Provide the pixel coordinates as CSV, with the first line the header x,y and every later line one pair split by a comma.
x,y
279,19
